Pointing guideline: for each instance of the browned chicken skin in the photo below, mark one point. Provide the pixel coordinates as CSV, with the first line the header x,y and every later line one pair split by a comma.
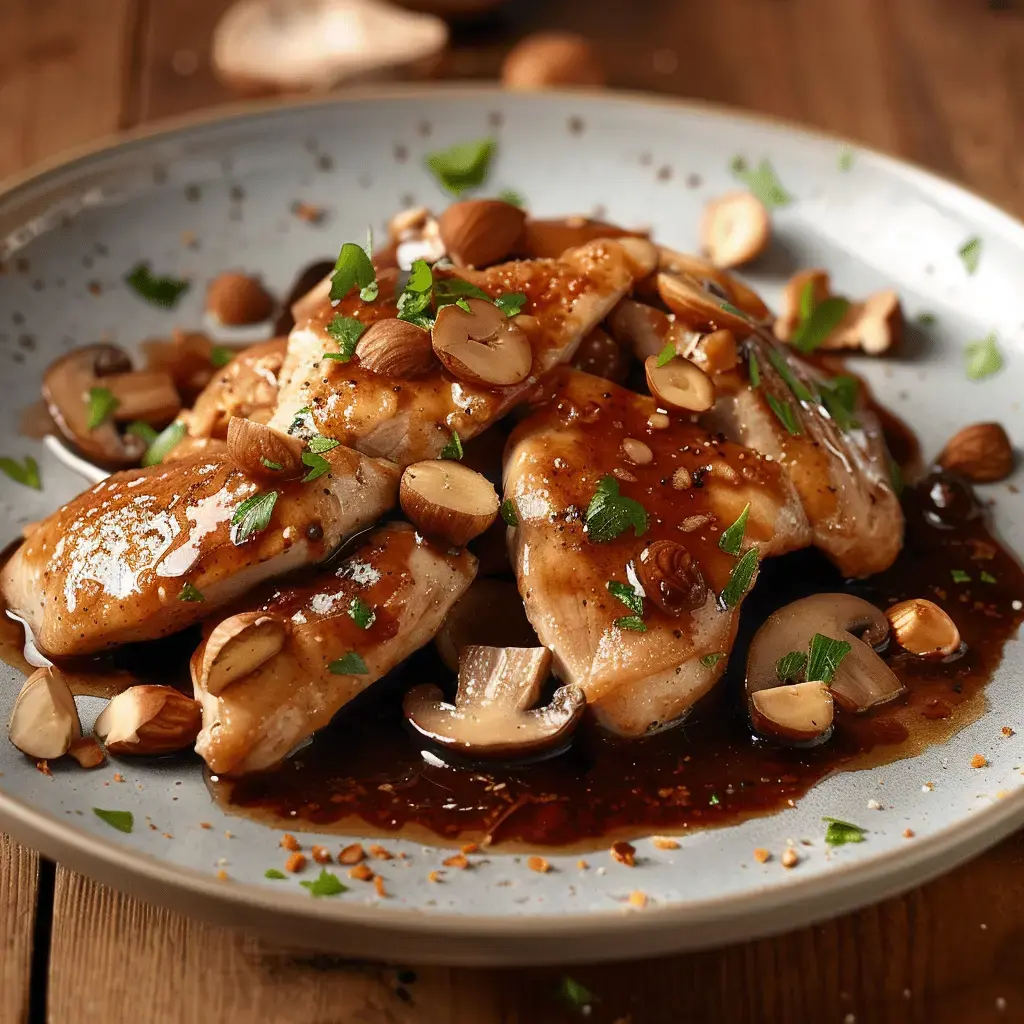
x,y
109,567
693,486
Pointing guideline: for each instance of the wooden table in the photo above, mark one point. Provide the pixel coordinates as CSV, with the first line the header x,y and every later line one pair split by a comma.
x,y
938,81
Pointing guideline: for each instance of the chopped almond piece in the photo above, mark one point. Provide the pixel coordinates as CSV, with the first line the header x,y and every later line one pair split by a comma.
x,y
790,858
380,853
222,875
118,777
762,856
538,864
378,885
979,761
458,860
296,862
624,853
352,854
321,854
308,212
43,767
289,842
470,848
205,824
638,899
433,877
664,843
1007,731
87,752
909,833
361,873
582,865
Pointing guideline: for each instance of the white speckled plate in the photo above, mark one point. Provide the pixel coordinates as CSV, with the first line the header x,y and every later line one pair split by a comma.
x,y
232,183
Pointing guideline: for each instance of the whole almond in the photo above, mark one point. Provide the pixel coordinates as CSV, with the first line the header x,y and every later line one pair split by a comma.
x,y
552,58
479,232
236,299
396,348
149,720
260,451
981,452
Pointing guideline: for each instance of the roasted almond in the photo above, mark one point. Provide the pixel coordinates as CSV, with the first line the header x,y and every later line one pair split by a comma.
x,y
149,720
87,752
736,229
236,299
45,721
481,346
874,326
445,499
712,279
396,348
923,628
600,354
680,384
797,712
260,451
698,308
716,352
545,59
237,646
981,452
479,232
671,578
146,395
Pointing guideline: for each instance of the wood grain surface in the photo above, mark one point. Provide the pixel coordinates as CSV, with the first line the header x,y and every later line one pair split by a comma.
x,y
936,81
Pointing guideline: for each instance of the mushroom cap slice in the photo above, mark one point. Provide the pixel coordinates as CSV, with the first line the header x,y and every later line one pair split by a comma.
x,y
862,680
492,717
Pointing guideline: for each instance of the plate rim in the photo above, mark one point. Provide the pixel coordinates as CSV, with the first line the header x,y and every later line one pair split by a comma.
x,y
795,903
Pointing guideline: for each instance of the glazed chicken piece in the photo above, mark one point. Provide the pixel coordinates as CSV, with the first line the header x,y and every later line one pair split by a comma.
x,y
590,434
833,450
274,674
411,417
123,561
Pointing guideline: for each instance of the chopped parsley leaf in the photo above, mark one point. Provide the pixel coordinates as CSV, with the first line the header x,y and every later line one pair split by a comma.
x,y
463,305
741,579
102,403
123,821
352,268
160,291
633,623
762,181
711,660
165,441
713,801
983,358
325,884
789,666
576,996
320,444
846,158
970,254
350,664
826,316
252,516
270,464
221,356
462,166
27,475
839,833
274,874
731,540
754,370
667,354
826,655
610,513
317,464
453,449
627,595
511,303
346,331
508,512
959,576
926,319
190,593
512,197
141,430
987,577
361,613
786,414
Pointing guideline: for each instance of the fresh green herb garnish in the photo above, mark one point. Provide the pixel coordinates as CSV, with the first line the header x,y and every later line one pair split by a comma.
x,y
983,358
730,308
610,513
731,540
221,356
786,414
826,316
165,441
252,516
711,660
960,576
350,664
785,371
511,303
713,801
160,291
361,613
512,197
807,300
448,290
896,477
317,464
414,302
741,579
453,449
270,464
846,158
463,305
762,181
574,995
274,874
667,354
627,595
508,512
632,622
987,577
346,331
840,399
789,666
142,430
190,593
27,475
325,884
754,369
352,268
462,166
926,319
102,403
320,444
970,254
123,821
825,657
839,833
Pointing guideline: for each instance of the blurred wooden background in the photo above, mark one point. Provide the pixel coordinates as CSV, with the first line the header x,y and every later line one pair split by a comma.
x,y
937,81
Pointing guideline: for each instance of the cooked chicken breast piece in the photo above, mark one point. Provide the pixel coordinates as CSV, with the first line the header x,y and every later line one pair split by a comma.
x,y
110,567
412,419
692,486
385,600
833,450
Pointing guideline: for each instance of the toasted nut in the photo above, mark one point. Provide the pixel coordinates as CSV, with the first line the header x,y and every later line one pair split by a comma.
x,y
236,647
146,395
923,628
236,299
538,864
45,722
552,58
352,854
797,712
981,452
790,858
260,451
407,223
736,229
600,354
415,235
713,279
446,500
642,253
481,346
548,239
874,327
790,315
680,384
647,330
671,578
149,720
637,452
87,752
624,853
699,309
396,348
716,352
479,232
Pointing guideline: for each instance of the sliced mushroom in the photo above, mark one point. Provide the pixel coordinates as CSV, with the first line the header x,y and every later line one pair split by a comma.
x,y
66,386
680,384
736,229
862,681
448,500
795,713
260,451
481,346
149,720
492,717
238,646
45,721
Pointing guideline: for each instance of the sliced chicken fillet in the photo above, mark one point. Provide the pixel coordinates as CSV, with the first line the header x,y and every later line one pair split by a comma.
x,y
693,486
408,586
110,566
412,419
